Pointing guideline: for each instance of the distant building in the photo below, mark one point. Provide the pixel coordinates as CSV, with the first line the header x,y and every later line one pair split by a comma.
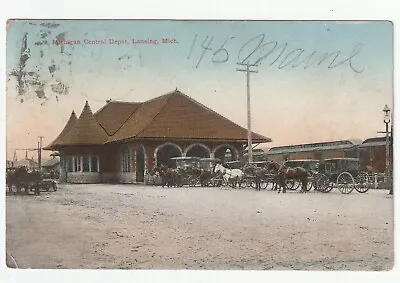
x,y
29,163
259,154
372,153
52,165
319,151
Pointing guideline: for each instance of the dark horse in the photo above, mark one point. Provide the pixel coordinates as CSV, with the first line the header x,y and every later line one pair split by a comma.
x,y
285,173
203,175
21,177
169,177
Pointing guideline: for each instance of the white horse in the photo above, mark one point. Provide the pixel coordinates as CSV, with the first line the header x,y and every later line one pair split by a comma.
x,y
231,176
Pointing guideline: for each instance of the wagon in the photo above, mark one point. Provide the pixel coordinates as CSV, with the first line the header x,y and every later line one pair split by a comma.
x,y
343,173
189,169
215,179
28,180
249,179
311,165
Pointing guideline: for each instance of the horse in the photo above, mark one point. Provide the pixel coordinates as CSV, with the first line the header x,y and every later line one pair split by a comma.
x,y
21,177
285,173
169,177
231,176
257,172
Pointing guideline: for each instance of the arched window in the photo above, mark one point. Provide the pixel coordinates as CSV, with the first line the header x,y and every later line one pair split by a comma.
x,y
126,159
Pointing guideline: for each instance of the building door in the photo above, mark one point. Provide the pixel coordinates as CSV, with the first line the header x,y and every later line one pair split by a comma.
x,y
140,164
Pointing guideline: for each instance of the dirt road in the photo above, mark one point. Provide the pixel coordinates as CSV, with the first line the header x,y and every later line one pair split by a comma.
x,y
138,227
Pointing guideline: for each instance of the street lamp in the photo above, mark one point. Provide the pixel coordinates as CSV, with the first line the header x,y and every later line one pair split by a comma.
x,y
386,120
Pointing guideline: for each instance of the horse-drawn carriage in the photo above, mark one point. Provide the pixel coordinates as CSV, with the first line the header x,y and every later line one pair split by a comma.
x,y
191,171
343,173
188,169
311,165
211,178
22,178
257,176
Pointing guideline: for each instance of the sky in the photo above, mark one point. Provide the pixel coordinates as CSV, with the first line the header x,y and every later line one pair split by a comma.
x,y
316,81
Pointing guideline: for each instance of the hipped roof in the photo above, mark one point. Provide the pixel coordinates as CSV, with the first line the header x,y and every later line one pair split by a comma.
x,y
171,116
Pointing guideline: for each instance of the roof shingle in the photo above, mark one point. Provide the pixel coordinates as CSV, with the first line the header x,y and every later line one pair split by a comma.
x,y
85,131
71,122
114,114
170,116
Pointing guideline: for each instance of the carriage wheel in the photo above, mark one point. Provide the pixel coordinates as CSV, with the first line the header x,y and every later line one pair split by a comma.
x,y
323,184
328,188
289,184
292,184
192,181
232,182
345,182
252,183
264,184
243,183
363,182
309,185
215,182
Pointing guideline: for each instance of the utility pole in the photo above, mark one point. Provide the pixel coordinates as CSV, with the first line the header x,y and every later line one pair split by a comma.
x,y
249,138
40,152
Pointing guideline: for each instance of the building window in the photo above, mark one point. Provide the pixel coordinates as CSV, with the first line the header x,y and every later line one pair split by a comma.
x,y
126,159
77,164
94,164
85,164
82,163
69,164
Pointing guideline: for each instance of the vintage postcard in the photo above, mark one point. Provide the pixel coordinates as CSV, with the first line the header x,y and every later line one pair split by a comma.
x,y
216,145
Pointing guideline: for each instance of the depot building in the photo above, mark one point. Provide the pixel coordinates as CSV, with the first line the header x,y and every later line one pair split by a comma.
x,y
123,139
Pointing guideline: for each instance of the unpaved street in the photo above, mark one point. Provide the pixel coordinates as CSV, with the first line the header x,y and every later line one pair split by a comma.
x,y
138,227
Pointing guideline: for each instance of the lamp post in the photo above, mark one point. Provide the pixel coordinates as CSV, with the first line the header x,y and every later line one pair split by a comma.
x,y
386,120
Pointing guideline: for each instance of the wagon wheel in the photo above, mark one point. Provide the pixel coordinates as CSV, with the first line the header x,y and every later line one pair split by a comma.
x,y
243,183
233,182
322,184
215,182
264,183
328,187
345,182
192,181
252,183
309,185
362,182
292,184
